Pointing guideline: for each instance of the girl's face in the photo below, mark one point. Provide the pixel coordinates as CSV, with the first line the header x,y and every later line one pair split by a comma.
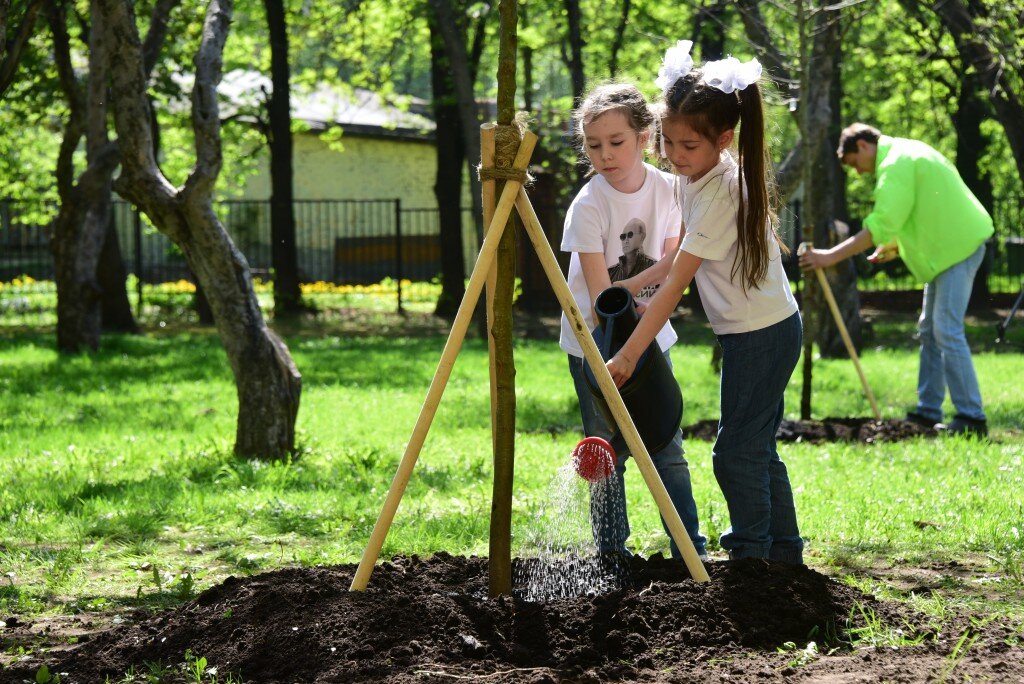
x,y
691,154
615,150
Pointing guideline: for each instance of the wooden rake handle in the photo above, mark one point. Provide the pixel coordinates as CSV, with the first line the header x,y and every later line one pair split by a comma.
x,y
843,332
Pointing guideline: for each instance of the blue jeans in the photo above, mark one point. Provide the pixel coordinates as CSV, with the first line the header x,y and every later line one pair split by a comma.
x,y
756,367
945,355
608,508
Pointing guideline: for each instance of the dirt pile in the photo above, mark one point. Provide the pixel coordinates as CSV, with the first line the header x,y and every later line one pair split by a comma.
x,y
866,430
432,616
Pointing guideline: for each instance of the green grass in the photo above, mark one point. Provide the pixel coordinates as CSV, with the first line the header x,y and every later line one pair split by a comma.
x,y
120,489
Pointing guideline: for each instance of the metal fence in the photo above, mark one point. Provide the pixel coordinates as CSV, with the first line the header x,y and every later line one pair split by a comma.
x,y
363,242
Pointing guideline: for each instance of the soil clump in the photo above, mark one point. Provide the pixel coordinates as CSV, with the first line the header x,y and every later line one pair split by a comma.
x,y
866,430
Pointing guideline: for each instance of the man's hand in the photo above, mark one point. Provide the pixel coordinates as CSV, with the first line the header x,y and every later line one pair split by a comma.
x,y
884,253
816,258
621,367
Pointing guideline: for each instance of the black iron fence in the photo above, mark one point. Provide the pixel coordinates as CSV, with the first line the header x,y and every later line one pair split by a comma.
x,y
364,242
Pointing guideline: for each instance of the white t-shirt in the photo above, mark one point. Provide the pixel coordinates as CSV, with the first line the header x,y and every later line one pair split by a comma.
x,y
630,229
709,218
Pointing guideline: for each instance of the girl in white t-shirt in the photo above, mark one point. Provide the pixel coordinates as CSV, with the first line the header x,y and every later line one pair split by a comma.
x,y
623,226
732,251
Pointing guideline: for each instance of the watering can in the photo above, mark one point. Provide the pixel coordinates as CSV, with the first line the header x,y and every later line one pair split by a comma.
x,y
651,394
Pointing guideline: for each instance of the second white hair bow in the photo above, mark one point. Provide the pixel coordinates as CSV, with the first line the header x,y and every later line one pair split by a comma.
x,y
730,74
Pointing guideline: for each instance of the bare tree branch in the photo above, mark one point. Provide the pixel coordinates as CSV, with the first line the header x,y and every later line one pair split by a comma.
x,y
10,55
158,24
205,113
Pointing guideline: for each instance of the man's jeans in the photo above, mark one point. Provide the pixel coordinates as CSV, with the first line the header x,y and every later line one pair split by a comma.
x,y
945,355
756,367
608,499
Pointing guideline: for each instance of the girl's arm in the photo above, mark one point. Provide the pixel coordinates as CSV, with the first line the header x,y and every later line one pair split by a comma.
x,y
656,273
595,273
622,365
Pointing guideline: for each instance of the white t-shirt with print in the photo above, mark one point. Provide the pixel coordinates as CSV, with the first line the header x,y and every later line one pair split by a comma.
x,y
603,220
709,219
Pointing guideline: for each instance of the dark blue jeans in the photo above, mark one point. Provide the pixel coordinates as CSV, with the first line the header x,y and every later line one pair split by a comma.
x,y
756,367
608,499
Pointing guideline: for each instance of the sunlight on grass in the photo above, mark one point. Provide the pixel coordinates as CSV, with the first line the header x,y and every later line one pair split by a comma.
x,y
120,487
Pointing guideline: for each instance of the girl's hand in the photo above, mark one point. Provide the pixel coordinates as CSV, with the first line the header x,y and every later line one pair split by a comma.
x,y
630,284
621,368
640,308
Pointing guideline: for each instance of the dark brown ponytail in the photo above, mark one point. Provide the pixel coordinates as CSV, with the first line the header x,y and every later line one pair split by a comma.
x,y
711,112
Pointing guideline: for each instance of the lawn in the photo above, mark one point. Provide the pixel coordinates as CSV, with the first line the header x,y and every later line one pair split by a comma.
x,y
120,489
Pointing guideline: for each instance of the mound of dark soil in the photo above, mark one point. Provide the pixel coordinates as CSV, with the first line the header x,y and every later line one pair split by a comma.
x,y
432,616
867,430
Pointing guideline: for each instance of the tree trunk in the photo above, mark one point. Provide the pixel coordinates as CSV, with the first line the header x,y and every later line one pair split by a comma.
x,y
283,250
500,552
573,58
620,35
823,181
113,281
971,145
463,68
995,74
709,30
84,218
448,184
266,378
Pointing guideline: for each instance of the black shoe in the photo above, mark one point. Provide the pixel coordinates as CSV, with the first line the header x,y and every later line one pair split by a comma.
x,y
918,419
962,425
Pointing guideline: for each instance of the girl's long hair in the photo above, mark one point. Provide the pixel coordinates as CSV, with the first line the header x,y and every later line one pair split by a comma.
x,y
710,112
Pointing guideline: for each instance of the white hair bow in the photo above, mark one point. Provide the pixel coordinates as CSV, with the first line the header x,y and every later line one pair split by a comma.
x,y
677,63
730,74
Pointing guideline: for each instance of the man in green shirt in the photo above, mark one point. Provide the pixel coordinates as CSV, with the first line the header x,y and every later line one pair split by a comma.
x,y
925,214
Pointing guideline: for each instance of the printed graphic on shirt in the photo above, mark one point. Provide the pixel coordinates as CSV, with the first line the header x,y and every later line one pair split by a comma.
x,y
633,259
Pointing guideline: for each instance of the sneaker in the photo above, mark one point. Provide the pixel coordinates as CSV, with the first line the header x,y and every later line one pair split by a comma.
x,y
922,420
962,425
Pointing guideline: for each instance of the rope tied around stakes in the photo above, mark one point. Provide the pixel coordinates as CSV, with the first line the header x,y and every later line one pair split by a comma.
x,y
506,144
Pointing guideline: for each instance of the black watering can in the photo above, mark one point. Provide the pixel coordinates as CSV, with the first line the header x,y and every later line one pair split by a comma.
x,y
651,395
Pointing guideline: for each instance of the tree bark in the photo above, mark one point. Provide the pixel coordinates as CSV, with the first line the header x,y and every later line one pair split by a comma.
x,y
267,381
448,184
500,553
84,218
283,250
463,68
116,310
823,182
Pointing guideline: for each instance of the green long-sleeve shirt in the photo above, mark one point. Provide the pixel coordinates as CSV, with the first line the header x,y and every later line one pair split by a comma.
x,y
922,203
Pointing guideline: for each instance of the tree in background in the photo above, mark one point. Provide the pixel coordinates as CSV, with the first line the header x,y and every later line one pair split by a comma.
x,y
283,250
267,381
13,43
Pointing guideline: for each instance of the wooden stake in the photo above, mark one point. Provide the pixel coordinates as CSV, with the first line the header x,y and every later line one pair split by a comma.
x,y
608,389
487,188
838,316
444,368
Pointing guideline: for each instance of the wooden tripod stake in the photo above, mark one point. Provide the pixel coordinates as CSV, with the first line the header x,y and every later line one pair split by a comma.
x,y
843,332
513,193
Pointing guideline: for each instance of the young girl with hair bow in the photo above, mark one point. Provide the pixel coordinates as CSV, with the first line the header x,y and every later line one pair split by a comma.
x,y
730,248
623,226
